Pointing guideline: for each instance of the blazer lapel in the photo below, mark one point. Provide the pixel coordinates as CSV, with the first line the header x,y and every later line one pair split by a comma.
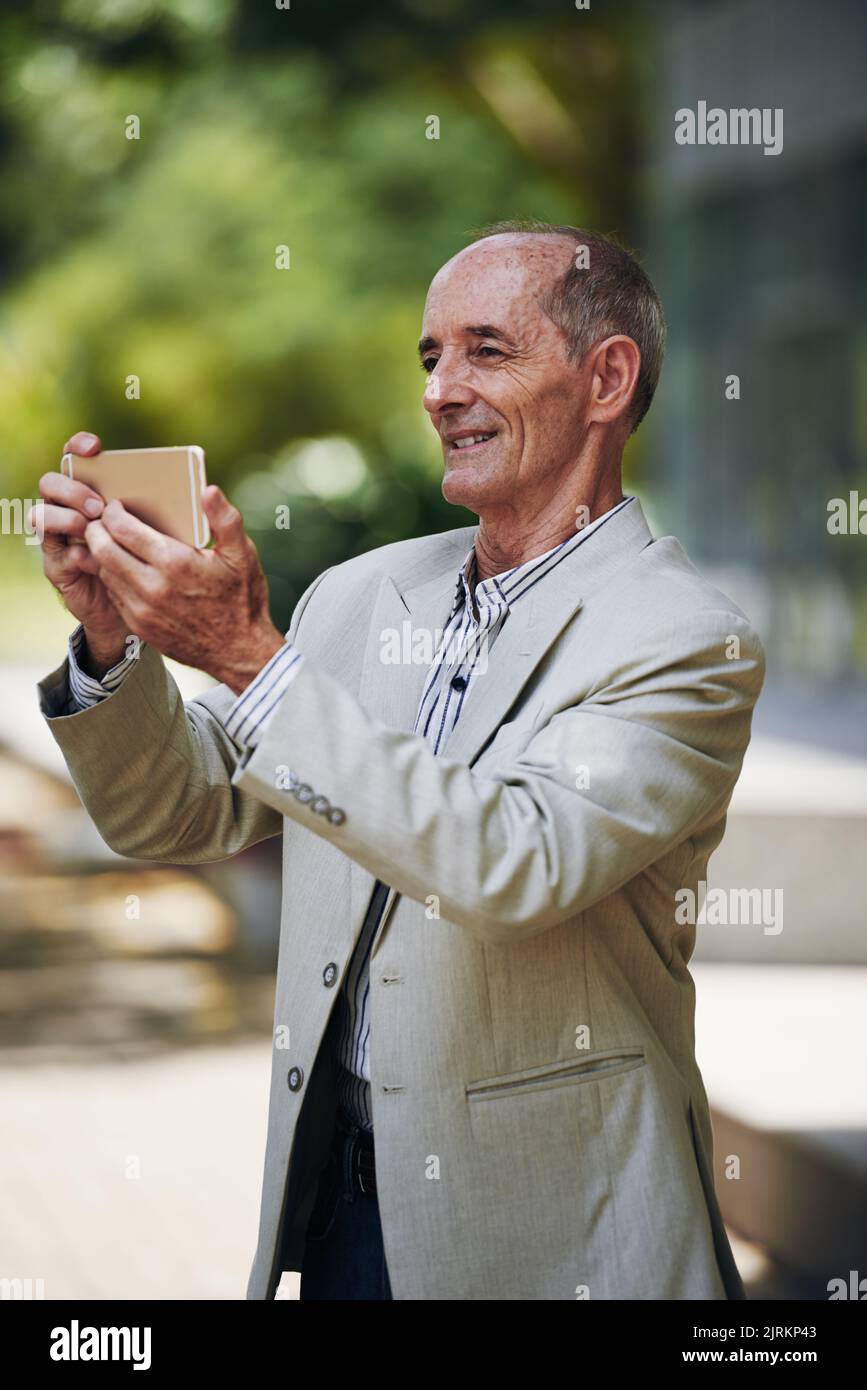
x,y
392,692
536,620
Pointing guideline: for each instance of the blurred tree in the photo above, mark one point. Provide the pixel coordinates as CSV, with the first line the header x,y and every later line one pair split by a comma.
x,y
155,257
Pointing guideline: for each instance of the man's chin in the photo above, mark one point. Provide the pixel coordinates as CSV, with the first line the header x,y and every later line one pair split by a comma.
x,y
464,488
460,492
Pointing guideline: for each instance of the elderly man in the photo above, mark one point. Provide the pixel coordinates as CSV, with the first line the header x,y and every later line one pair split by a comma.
x,y
484,1079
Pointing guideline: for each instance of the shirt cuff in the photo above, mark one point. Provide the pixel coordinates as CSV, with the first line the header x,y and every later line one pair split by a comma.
x,y
249,715
86,691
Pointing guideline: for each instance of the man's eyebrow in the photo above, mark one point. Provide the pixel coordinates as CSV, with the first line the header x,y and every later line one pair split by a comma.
x,y
488,330
476,330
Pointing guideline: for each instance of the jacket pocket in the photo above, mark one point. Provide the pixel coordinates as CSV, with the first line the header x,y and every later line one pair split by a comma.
x,y
597,1067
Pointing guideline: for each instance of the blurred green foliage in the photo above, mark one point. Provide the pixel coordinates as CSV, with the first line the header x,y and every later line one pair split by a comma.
x,y
262,127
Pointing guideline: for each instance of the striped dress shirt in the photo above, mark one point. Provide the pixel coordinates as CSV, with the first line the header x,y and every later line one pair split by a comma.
x,y
82,690
460,657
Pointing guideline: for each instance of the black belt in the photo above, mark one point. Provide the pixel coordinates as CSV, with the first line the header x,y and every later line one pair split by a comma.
x,y
361,1158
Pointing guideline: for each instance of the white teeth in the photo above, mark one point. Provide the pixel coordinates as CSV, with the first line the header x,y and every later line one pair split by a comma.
x,y
471,439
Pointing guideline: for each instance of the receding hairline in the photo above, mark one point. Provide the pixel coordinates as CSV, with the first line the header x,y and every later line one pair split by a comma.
x,y
513,240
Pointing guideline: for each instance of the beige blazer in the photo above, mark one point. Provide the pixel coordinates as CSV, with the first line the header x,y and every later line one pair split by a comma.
x,y
542,1130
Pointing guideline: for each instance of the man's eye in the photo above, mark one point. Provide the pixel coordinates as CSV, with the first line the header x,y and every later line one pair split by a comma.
x,y
428,364
495,351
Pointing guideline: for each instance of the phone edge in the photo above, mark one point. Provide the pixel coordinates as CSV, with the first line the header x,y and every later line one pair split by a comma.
x,y
196,455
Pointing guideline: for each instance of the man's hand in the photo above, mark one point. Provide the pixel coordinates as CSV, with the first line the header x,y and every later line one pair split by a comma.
x,y
60,521
205,608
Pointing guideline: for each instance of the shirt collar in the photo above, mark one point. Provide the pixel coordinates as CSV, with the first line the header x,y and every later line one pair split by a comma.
x,y
501,590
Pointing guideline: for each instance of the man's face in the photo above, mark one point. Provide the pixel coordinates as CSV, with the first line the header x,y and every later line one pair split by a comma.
x,y
497,368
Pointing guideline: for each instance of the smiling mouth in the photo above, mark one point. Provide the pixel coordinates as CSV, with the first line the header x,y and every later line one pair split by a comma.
x,y
470,441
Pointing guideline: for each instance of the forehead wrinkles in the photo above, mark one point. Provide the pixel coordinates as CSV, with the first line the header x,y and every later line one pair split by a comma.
x,y
496,283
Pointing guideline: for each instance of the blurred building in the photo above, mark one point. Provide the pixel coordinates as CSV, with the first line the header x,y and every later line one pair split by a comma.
x,y
759,262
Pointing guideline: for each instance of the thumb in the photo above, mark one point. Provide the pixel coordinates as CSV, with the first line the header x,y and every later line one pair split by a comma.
x,y
227,524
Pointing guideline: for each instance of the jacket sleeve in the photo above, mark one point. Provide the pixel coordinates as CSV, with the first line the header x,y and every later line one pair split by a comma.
x,y
516,850
154,773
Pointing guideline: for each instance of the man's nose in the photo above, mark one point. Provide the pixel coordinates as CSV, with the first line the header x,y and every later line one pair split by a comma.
x,y
446,387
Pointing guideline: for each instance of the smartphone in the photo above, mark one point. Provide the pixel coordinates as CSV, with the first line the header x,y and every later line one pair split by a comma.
x,y
162,487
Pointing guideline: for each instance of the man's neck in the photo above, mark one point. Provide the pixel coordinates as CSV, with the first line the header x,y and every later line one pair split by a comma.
x,y
502,546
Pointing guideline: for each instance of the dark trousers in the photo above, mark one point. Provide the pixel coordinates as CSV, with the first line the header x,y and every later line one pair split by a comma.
x,y
343,1255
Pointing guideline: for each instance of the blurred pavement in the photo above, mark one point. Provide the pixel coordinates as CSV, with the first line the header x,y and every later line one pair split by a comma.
x,y
135,1180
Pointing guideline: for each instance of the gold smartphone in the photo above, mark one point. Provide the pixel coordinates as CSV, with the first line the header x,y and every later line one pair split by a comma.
x,y
162,487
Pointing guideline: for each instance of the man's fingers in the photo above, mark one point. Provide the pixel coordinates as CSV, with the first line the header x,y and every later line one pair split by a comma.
x,y
65,563
80,558
117,567
50,521
66,492
142,540
227,524
83,443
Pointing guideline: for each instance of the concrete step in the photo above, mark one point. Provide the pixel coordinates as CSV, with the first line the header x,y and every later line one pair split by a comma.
x,y
783,1053
797,826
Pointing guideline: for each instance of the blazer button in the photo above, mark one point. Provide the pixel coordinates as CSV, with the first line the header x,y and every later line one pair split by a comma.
x,y
296,1079
320,805
304,792
458,682
336,816
329,974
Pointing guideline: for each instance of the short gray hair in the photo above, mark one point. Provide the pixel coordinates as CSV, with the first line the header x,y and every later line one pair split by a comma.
x,y
612,295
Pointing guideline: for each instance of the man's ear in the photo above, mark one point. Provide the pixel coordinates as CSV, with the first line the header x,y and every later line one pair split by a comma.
x,y
614,367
